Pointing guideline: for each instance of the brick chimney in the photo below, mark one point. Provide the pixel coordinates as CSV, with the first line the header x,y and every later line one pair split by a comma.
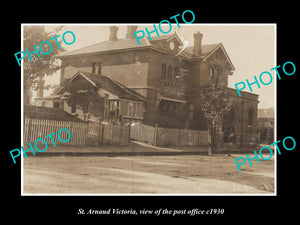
x,y
113,36
197,50
130,32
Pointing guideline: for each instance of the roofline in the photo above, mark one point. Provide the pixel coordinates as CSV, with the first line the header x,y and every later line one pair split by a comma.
x,y
104,52
226,55
118,50
80,73
74,76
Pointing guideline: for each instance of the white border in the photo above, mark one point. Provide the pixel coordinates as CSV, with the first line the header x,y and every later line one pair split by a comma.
x,y
193,24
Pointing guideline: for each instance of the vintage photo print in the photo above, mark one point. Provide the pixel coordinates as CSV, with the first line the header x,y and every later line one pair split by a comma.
x,y
131,109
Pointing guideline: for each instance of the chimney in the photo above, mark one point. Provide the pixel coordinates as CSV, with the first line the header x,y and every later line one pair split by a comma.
x,y
197,50
113,33
130,32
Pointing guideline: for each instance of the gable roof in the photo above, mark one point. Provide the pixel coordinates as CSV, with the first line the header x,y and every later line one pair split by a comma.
x,y
207,51
104,83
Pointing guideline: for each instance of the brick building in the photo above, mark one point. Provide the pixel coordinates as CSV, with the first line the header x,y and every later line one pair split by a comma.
x,y
167,83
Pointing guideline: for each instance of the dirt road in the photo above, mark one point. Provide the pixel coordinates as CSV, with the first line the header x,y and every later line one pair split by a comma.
x,y
175,174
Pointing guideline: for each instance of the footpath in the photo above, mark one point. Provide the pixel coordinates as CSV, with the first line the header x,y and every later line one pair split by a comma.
x,y
133,149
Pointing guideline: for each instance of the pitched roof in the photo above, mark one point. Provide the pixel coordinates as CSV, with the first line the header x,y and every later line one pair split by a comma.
x,y
206,49
104,83
125,44
120,44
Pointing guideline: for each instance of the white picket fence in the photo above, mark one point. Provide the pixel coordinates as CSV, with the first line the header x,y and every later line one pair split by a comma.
x,y
161,136
81,133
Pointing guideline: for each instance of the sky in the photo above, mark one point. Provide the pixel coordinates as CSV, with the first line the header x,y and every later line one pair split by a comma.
x,y
251,48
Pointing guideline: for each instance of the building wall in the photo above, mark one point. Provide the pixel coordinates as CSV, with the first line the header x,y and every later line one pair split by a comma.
x,y
168,88
131,75
43,102
246,133
141,70
135,58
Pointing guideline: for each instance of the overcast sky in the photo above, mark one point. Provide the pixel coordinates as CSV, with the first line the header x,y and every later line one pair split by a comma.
x,y
251,48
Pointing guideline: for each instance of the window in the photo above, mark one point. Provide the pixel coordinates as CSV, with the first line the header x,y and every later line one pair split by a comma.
x,y
170,73
163,71
215,75
250,117
134,109
218,76
176,74
94,68
56,105
211,72
191,112
73,107
106,106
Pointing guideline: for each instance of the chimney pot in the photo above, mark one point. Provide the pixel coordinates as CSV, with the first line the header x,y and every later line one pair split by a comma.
x,y
113,33
130,32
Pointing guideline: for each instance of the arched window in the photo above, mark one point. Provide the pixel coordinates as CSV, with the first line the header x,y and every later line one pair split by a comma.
x,y
176,74
211,73
218,76
215,75
170,73
163,71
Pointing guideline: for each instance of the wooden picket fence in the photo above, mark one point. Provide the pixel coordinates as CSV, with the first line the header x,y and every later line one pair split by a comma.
x,y
161,136
81,132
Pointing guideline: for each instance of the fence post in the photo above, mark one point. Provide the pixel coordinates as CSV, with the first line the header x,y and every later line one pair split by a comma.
x,y
71,128
86,132
112,133
120,134
129,127
102,134
28,120
155,134
99,131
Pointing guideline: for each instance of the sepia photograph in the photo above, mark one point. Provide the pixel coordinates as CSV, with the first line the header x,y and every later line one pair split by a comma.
x,y
108,111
